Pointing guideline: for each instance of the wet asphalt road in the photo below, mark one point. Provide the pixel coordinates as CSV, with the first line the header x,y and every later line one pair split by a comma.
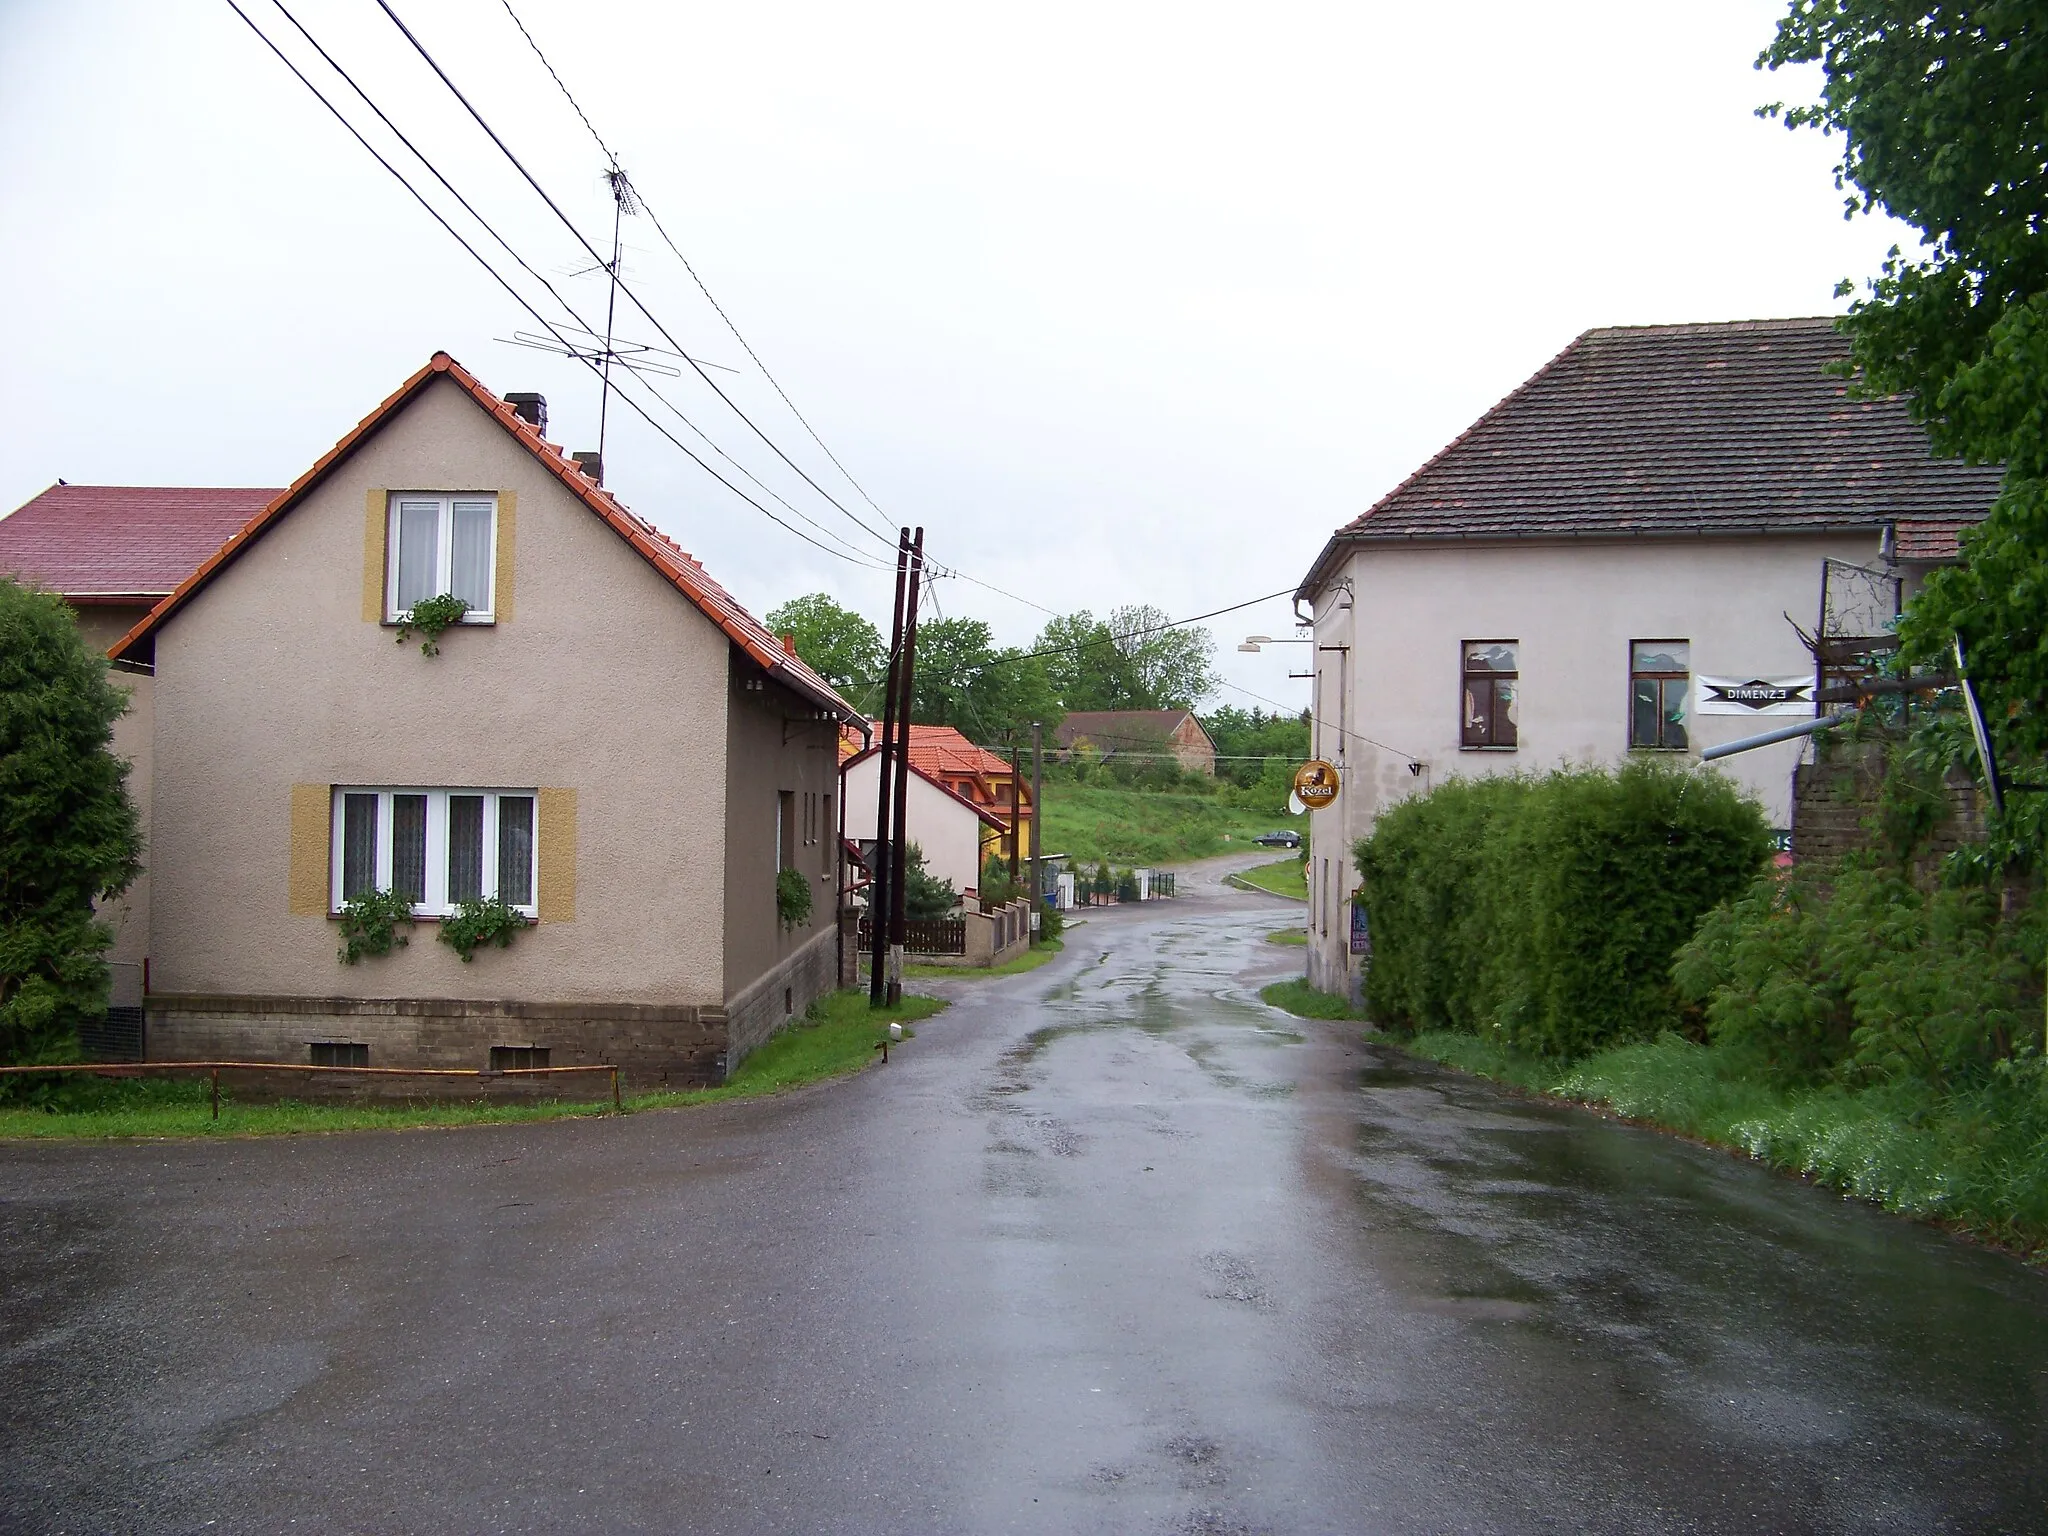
x,y
1110,1247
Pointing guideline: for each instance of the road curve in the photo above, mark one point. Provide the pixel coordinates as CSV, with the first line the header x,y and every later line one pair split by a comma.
x,y
1110,1247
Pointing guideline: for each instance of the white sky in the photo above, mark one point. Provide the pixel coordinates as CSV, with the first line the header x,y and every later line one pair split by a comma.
x,y
1123,303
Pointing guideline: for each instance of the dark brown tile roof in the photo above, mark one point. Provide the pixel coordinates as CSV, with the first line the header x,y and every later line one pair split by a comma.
x,y
1114,729
1734,427
112,543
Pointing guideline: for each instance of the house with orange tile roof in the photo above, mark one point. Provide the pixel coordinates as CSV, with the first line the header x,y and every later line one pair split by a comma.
x,y
113,552
605,741
974,774
956,836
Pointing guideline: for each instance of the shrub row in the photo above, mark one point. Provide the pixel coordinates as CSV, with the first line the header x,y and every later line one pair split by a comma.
x,y
1546,910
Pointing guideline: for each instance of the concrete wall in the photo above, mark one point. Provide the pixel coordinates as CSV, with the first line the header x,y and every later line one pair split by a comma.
x,y
1387,689
776,746
948,832
774,1000
599,680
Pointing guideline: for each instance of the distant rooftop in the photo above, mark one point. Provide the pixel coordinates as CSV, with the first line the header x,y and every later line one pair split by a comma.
x,y
122,543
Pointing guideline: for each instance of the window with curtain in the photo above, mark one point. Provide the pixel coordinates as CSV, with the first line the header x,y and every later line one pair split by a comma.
x,y
1491,673
442,544
439,847
1659,682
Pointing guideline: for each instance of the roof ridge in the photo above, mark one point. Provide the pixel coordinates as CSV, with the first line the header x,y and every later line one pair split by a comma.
x,y
1706,327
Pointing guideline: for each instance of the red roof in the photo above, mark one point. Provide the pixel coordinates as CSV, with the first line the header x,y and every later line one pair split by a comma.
x,y
107,543
1921,538
649,542
942,749
982,811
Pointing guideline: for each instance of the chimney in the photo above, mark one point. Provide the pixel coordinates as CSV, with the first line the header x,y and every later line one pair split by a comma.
x,y
532,409
591,463
789,643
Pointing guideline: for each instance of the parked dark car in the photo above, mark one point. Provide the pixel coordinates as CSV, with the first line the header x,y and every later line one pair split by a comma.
x,y
1278,839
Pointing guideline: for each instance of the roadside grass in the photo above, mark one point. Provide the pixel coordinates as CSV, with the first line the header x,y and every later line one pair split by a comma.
x,y
1304,1001
837,1036
1030,960
1975,1159
1096,822
1283,877
1297,936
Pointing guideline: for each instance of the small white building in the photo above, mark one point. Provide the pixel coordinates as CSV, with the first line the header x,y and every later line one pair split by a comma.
x,y
952,832
1619,558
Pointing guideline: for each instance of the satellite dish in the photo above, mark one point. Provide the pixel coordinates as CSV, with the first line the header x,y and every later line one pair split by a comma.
x,y
1994,787
1294,805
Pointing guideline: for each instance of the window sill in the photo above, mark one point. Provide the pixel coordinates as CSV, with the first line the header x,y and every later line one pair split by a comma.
x,y
1516,748
1663,751
467,621
532,915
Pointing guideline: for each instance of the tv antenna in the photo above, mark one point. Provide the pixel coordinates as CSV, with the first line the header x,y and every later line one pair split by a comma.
x,y
607,351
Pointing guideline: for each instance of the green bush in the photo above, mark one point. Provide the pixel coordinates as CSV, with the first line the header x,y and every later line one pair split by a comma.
x,y
1052,922
1548,909
1127,885
1852,971
68,833
792,898
369,924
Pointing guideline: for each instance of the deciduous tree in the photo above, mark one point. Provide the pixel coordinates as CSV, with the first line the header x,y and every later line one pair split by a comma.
x,y
841,646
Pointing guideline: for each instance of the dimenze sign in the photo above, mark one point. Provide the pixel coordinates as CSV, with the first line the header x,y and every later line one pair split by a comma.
x,y
1315,784
1754,696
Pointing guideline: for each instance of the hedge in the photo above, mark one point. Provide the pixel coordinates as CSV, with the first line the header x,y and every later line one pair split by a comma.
x,y
1546,910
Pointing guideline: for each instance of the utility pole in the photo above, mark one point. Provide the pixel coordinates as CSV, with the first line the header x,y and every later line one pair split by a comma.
x,y
1037,813
878,877
906,690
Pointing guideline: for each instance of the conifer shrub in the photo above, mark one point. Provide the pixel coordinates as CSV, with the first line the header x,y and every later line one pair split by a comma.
x,y
1546,910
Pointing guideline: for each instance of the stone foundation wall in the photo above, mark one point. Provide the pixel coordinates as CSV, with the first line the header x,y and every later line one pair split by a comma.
x,y
769,1004
657,1048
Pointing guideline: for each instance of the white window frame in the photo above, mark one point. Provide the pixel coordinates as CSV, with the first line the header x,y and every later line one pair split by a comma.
x,y
444,550
437,903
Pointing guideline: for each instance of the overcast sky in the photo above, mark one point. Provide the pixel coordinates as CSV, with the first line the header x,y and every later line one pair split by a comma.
x,y
1122,303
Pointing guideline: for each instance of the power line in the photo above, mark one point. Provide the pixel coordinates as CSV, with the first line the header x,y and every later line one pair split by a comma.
x,y
554,293
709,298
517,297
1119,637
570,224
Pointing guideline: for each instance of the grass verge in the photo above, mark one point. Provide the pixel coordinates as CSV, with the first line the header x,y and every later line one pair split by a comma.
x,y
1974,1159
1030,960
1304,1001
837,1036
1297,936
1135,826
1283,877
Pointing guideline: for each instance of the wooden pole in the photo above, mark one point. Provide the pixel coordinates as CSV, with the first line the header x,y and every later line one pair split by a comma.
x,y
878,876
1037,812
906,692
1016,807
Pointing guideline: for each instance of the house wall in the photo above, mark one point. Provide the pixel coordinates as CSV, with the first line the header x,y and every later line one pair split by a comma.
x,y
1191,744
948,832
600,683
776,744
101,624
1388,681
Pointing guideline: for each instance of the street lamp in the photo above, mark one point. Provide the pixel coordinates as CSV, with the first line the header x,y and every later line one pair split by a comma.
x,y
1253,642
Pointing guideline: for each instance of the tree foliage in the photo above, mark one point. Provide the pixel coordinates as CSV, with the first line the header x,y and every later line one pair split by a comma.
x,y
68,834
1939,110
964,681
1127,660
839,645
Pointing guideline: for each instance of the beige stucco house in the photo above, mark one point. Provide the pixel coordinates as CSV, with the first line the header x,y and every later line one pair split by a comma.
x,y
1630,554
607,742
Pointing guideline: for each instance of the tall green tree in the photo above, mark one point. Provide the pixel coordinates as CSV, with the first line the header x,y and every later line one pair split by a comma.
x,y
963,680
841,646
1130,660
68,834
1941,116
